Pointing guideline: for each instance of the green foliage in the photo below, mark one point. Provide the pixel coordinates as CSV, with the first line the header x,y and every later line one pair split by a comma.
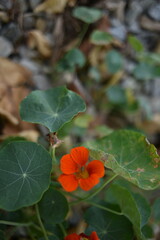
x,y
100,38
136,209
51,108
135,43
108,225
114,61
87,15
25,169
116,95
53,207
145,71
72,59
156,210
130,155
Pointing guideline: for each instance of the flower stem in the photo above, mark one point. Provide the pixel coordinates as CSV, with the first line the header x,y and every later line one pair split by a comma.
x,y
40,222
52,151
104,208
83,33
95,192
16,224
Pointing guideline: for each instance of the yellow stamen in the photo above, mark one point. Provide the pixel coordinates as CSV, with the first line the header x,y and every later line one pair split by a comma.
x,y
82,174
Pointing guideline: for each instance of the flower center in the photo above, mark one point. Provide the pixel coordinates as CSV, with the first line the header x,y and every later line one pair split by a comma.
x,y
82,173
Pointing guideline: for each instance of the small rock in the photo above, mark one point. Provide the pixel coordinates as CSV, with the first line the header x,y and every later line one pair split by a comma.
x,y
154,12
41,82
34,3
118,30
6,47
11,31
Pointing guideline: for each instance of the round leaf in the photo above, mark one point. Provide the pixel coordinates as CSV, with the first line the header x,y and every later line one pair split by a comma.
x,y
130,155
100,38
25,169
87,15
53,206
114,61
71,60
51,108
108,225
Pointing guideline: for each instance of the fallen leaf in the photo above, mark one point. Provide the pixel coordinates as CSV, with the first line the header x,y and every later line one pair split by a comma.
x,y
37,40
13,78
52,6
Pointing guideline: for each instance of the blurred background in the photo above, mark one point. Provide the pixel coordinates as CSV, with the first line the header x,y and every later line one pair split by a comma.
x,y
108,51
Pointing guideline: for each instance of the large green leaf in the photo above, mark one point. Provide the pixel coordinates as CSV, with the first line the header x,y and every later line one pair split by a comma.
x,y
108,225
130,155
53,206
51,108
135,209
156,210
87,15
25,169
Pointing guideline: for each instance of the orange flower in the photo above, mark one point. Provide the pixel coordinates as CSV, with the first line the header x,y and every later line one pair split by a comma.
x,y
76,172
82,236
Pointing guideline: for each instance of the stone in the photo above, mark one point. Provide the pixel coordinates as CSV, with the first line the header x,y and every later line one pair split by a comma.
x,y
6,47
154,12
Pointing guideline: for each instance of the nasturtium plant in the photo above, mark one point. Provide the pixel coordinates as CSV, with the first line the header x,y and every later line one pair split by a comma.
x,y
135,43
130,155
53,206
108,225
87,15
138,211
25,169
51,108
100,38
114,61
72,59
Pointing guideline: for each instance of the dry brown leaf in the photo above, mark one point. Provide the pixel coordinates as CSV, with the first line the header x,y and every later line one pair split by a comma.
x,y
12,74
13,78
52,6
30,135
37,40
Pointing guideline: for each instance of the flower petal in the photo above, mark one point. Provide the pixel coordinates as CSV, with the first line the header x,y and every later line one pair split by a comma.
x,y
94,236
80,155
96,167
67,165
72,236
87,183
68,182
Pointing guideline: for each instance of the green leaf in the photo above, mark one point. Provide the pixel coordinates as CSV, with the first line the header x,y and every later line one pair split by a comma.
x,y
100,38
148,232
135,43
53,207
108,225
146,71
130,155
51,108
156,210
25,169
72,59
131,206
114,61
116,95
87,14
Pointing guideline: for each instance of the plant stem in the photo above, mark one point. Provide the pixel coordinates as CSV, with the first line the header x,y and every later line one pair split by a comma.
x,y
17,224
52,151
104,208
95,192
62,229
82,34
40,222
